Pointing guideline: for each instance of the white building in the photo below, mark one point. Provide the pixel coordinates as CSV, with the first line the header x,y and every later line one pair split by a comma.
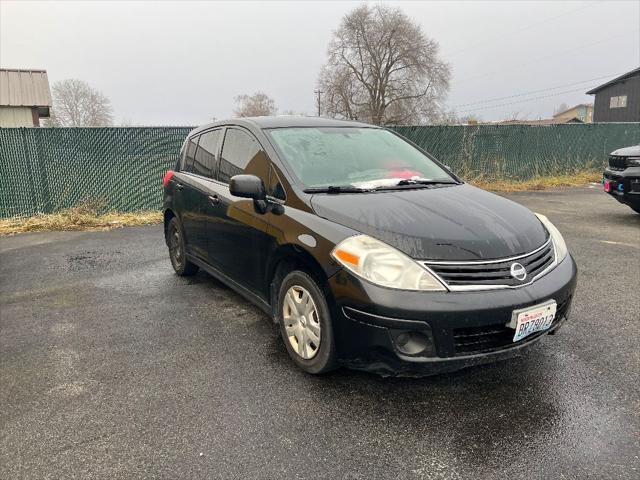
x,y
25,97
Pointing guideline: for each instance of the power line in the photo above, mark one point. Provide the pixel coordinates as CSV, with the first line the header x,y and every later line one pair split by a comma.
x,y
528,27
580,47
521,101
491,100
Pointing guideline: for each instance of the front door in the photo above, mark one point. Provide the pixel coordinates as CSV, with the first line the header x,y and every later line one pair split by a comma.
x,y
238,239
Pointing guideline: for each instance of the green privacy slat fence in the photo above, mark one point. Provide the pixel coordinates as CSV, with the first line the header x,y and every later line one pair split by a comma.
x,y
523,151
48,169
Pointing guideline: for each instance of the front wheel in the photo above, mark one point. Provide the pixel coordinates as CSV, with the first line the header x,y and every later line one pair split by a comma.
x,y
177,251
305,323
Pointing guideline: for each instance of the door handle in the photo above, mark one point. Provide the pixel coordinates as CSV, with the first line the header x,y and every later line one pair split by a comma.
x,y
214,200
179,186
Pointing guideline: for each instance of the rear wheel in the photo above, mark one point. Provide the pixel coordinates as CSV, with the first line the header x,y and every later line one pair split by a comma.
x,y
305,323
177,252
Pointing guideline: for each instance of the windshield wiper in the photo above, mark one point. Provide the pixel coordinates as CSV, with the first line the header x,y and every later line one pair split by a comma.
x,y
425,181
416,183
335,189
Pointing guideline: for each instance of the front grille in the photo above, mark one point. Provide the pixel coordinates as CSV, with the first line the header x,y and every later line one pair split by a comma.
x,y
474,340
617,162
494,273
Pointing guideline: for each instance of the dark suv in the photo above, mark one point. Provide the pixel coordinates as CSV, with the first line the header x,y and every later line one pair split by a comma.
x,y
621,179
365,250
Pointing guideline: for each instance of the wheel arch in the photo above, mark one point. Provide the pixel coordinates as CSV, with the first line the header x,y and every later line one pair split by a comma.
x,y
168,215
285,259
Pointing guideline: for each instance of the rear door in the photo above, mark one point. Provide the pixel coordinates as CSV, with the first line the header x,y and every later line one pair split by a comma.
x,y
238,239
188,202
196,191
204,165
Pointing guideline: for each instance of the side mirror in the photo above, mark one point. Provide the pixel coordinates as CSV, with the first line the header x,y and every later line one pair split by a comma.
x,y
247,186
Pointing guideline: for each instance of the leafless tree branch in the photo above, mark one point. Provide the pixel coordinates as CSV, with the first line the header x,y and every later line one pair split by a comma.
x,y
381,68
256,105
76,104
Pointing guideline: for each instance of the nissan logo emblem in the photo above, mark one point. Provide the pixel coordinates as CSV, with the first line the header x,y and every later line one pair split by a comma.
x,y
518,271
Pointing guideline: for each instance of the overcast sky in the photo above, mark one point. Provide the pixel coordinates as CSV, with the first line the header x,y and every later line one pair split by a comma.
x,y
181,63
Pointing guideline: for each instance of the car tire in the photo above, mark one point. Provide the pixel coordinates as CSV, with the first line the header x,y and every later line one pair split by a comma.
x,y
292,305
177,250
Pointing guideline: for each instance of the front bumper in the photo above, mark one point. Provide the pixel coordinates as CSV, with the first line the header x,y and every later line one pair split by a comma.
x,y
371,320
624,185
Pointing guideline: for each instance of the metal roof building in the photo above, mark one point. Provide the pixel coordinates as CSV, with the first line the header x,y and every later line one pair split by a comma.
x,y
25,97
618,100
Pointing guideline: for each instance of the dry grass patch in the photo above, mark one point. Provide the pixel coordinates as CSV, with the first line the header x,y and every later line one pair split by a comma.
x,y
78,218
577,179
87,216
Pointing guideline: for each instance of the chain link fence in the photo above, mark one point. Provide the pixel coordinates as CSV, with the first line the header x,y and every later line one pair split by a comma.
x,y
44,170
49,169
520,152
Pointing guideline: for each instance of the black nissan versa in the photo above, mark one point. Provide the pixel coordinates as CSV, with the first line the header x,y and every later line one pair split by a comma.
x,y
365,250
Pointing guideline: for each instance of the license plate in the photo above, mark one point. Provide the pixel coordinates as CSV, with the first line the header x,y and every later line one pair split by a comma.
x,y
533,319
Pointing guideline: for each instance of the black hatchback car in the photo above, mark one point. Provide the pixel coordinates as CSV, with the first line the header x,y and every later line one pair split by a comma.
x,y
365,250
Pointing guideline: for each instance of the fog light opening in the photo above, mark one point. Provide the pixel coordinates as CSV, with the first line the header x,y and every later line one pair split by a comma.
x,y
412,342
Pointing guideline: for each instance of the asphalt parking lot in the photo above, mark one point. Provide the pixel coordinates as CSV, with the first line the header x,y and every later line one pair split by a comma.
x,y
113,367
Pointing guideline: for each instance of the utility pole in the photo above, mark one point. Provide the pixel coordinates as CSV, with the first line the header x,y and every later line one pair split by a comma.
x,y
318,92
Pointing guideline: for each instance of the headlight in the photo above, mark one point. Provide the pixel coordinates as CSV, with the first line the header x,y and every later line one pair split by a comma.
x,y
556,237
383,265
633,161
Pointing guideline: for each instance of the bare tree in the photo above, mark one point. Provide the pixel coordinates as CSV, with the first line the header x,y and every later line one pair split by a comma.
x,y
451,117
561,108
256,105
381,68
76,104
298,113
516,116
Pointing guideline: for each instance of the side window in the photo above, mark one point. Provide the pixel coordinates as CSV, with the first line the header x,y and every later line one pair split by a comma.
x,y
238,151
187,165
205,158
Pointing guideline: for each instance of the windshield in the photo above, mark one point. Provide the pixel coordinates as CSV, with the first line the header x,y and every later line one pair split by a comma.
x,y
348,156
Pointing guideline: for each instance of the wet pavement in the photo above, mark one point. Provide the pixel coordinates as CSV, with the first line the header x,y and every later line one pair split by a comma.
x,y
113,367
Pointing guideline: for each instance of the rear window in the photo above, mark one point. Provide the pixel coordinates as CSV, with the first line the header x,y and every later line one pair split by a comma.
x,y
187,165
205,157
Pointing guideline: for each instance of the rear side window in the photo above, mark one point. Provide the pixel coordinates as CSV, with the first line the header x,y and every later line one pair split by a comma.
x,y
238,150
187,166
205,158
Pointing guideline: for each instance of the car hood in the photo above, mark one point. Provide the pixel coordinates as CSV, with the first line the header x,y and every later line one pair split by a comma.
x,y
627,151
458,222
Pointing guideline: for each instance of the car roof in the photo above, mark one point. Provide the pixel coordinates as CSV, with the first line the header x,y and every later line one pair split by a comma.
x,y
283,121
